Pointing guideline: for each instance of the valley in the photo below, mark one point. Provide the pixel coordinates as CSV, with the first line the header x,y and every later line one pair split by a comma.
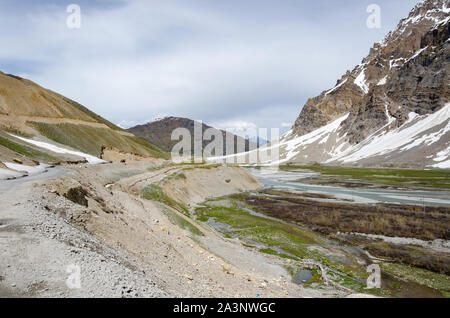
x,y
343,235
127,243
352,202
201,230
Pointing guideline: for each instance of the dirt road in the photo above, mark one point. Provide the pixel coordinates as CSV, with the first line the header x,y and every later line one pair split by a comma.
x,y
39,247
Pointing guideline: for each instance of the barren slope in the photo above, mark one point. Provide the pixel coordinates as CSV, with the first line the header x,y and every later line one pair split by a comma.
x,y
29,110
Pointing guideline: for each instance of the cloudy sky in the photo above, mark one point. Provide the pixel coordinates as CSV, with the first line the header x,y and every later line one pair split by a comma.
x,y
230,63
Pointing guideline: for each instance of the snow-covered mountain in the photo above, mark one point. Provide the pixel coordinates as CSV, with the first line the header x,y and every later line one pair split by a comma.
x,y
421,141
391,110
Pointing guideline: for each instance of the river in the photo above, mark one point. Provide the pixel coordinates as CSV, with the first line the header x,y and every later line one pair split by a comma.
x,y
291,180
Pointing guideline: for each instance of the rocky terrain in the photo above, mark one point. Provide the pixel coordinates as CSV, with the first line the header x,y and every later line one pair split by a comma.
x,y
406,72
390,110
128,244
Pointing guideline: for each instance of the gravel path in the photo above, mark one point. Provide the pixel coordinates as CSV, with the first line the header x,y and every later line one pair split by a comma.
x,y
38,248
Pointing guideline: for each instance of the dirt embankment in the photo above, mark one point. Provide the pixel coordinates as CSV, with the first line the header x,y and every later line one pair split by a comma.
x,y
116,155
177,255
192,186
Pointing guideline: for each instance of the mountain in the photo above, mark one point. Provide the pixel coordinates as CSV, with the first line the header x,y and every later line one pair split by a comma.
x,y
45,126
159,133
392,109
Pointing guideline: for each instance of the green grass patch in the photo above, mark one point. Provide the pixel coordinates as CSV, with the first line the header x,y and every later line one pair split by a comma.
x,y
272,252
175,176
399,177
18,133
191,163
91,114
420,276
366,172
259,229
202,218
181,222
350,283
155,193
446,294
289,238
191,166
290,269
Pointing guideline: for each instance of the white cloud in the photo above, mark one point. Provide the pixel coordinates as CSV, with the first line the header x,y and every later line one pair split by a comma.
x,y
203,60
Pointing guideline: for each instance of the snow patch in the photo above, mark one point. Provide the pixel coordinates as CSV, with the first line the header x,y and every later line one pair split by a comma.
x,y
383,81
361,81
442,155
394,63
442,165
9,174
409,135
336,87
90,159
323,133
292,145
411,117
428,139
30,170
388,116
416,54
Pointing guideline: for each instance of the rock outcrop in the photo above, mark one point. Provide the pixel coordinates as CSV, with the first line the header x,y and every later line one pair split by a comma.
x,y
404,79
407,72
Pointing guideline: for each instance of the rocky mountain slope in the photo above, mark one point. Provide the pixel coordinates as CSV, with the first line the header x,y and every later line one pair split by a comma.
x,y
38,124
390,110
159,133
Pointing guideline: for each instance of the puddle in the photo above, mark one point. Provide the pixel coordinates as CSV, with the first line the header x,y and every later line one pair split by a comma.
x,y
302,276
